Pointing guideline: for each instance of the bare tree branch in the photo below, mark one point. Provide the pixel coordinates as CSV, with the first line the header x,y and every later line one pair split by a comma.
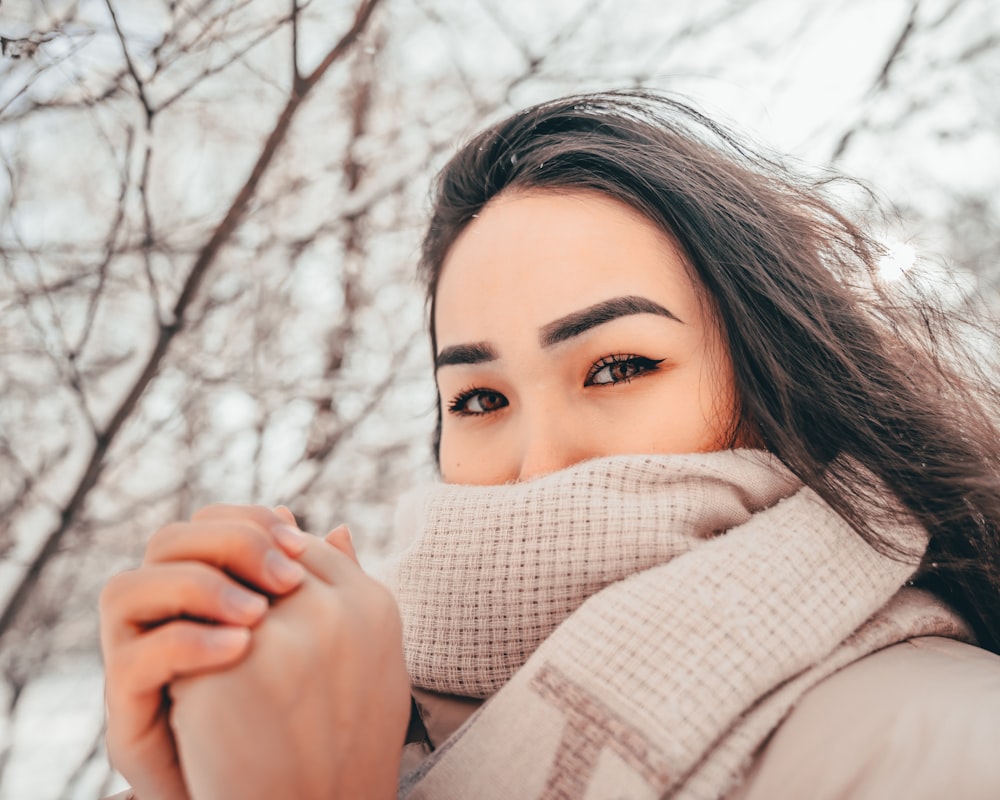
x,y
110,251
149,238
234,57
139,85
168,332
292,369
296,70
881,82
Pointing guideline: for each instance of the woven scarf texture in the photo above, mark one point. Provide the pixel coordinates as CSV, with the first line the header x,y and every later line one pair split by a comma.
x,y
637,624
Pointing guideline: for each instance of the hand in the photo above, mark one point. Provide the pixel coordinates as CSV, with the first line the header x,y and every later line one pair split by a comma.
x,y
220,568
318,709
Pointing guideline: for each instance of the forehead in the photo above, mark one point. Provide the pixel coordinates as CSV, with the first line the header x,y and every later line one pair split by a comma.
x,y
534,257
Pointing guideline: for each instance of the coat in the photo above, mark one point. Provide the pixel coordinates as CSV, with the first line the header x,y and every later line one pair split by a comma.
x,y
919,720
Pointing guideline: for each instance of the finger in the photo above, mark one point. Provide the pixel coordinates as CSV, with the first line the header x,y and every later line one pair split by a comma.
x,y
172,651
340,537
133,601
137,672
288,535
329,563
292,540
236,546
261,515
280,524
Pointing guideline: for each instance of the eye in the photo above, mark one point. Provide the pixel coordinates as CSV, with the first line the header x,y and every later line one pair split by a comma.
x,y
477,401
620,369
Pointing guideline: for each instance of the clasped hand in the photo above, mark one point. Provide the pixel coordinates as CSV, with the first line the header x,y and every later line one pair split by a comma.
x,y
246,659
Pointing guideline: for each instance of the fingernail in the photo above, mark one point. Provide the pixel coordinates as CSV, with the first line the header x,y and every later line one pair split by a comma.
x,y
244,604
226,638
292,540
341,529
285,571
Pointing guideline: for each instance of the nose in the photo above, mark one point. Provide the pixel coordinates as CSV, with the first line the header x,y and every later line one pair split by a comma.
x,y
553,441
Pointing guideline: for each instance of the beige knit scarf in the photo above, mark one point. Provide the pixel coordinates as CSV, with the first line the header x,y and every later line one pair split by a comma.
x,y
640,624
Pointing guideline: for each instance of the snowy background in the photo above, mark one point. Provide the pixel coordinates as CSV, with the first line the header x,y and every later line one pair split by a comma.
x,y
209,215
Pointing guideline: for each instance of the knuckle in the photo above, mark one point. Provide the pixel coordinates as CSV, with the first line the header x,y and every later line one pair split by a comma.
x,y
162,541
259,514
382,599
111,593
211,511
380,608
244,541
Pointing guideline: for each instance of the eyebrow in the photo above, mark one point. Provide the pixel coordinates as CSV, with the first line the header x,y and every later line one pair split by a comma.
x,y
582,321
559,330
477,353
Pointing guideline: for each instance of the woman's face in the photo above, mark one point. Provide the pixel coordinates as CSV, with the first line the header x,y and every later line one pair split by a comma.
x,y
568,328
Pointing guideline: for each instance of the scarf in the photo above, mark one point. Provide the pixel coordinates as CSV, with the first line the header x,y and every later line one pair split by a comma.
x,y
638,624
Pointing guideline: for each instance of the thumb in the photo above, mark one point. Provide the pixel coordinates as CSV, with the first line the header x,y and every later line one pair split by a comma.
x,y
340,537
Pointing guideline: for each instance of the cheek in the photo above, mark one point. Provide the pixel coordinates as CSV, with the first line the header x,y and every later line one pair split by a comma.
x,y
695,414
684,429
465,459
450,456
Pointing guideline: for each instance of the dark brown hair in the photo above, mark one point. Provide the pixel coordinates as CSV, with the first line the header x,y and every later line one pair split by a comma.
x,y
836,374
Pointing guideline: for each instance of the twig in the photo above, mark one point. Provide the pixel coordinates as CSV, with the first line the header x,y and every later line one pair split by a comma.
x,y
881,82
110,249
169,331
139,85
296,69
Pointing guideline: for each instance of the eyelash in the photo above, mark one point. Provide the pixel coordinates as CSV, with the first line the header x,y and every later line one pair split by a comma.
x,y
642,364
457,405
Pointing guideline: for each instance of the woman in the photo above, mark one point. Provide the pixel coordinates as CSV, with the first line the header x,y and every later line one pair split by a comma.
x,y
645,336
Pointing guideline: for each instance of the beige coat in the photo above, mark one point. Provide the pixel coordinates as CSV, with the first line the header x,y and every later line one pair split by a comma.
x,y
919,720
